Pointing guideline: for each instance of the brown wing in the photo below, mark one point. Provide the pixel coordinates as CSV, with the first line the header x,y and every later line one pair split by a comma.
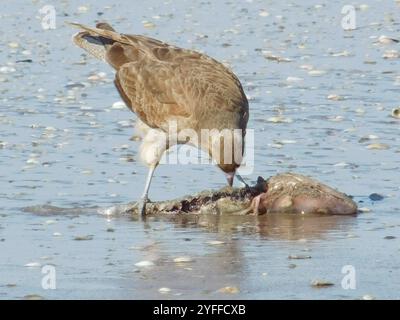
x,y
159,81
184,85
153,91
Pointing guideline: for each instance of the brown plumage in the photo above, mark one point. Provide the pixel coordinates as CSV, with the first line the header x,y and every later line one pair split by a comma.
x,y
163,83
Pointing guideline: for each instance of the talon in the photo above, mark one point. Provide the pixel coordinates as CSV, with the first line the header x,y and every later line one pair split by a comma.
x,y
142,206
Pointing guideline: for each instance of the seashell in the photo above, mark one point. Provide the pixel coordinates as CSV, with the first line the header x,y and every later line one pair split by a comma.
x,y
387,40
396,113
316,73
183,259
215,242
378,146
294,79
164,290
32,265
148,25
263,13
335,97
228,289
13,45
391,54
118,105
321,283
144,263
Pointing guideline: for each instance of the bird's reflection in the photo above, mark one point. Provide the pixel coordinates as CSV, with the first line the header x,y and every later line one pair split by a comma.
x,y
269,226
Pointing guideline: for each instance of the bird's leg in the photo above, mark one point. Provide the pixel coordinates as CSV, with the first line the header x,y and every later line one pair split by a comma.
x,y
145,197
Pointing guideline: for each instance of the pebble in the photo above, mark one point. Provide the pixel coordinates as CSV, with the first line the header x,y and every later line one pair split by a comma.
x,y
364,209
368,297
144,263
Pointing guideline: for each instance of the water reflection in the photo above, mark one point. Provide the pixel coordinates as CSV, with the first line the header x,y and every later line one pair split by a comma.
x,y
269,226
237,260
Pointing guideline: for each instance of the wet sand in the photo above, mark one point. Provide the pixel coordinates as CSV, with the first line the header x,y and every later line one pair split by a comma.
x,y
322,108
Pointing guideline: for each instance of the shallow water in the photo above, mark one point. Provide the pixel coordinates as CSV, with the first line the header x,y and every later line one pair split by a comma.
x,y
65,152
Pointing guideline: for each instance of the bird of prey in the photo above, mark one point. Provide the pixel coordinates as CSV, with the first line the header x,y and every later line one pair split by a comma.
x,y
164,84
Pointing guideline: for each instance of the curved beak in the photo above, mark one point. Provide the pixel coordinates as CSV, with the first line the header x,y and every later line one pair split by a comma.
x,y
229,177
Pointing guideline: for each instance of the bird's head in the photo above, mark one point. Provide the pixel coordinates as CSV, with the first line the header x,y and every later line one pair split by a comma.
x,y
227,152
